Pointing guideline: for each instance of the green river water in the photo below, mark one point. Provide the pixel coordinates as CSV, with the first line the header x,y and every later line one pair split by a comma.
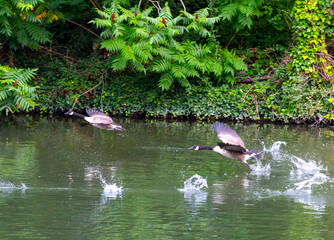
x,y
63,179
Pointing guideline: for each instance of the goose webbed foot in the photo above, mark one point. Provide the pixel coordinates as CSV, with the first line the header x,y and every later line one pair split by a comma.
x,y
118,134
248,165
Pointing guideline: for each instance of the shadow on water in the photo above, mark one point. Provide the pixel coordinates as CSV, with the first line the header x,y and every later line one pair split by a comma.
x,y
148,185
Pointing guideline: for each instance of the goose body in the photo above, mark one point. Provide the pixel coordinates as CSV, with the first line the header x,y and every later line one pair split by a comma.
x,y
231,145
99,119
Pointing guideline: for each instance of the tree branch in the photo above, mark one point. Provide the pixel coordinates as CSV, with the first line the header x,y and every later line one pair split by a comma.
x,y
84,28
184,7
95,5
101,82
57,53
139,4
156,5
231,40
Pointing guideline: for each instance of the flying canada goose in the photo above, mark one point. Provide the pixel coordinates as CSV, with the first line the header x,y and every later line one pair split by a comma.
x,y
231,146
99,119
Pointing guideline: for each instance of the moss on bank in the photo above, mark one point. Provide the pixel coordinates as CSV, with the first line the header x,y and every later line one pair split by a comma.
x,y
262,101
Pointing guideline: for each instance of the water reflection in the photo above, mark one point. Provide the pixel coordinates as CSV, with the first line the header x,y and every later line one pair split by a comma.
x,y
90,184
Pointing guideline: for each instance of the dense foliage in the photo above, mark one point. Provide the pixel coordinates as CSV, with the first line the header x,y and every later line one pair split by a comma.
x,y
218,58
20,25
155,45
15,93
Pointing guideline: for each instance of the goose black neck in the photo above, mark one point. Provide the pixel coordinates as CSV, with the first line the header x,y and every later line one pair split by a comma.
x,y
205,147
78,115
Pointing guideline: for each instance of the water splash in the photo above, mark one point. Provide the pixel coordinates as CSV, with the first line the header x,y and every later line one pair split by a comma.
x,y
289,175
8,188
275,147
302,167
317,179
307,174
9,185
110,190
274,150
195,182
193,190
261,169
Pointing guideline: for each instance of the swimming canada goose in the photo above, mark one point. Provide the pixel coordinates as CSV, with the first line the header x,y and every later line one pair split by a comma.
x,y
99,119
231,145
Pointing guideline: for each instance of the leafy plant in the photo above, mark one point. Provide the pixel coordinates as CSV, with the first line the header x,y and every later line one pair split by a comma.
x,y
20,26
312,25
240,13
15,92
155,45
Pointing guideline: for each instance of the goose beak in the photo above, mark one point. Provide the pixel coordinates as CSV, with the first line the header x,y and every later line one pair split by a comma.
x,y
120,128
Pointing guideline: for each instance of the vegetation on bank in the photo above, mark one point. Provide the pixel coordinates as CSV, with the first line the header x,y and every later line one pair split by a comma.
x,y
243,60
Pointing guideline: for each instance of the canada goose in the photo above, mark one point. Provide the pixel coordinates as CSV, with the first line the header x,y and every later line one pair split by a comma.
x,y
99,119
231,146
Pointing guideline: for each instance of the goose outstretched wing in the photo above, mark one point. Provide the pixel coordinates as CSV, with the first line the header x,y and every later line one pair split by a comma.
x,y
230,139
99,117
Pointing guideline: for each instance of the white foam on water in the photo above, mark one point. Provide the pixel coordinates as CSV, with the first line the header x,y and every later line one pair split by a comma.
x,y
193,190
275,147
306,185
9,185
261,169
195,182
274,150
110,190
302,167
303,180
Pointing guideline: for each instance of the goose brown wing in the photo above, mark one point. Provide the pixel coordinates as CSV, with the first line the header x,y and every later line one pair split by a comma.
x,y
99,117
229,137
234,148
94,112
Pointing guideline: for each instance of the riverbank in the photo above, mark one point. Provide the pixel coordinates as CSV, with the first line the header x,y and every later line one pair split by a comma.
x,y
135,97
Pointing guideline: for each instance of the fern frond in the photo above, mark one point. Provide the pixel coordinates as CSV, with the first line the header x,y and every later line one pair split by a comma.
x,y
37,33
190,71
127,53
166,12
22,37
184,82
203,32
140,32
14,89
3,95
5,26
165,53
202,13
119,30
113,45
119,63
157,38
101,23
8,106
106,34
147,11
229,11
138,66
244,20
177,71
166,81
179,58
161,65
143,53
22,76
5,9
